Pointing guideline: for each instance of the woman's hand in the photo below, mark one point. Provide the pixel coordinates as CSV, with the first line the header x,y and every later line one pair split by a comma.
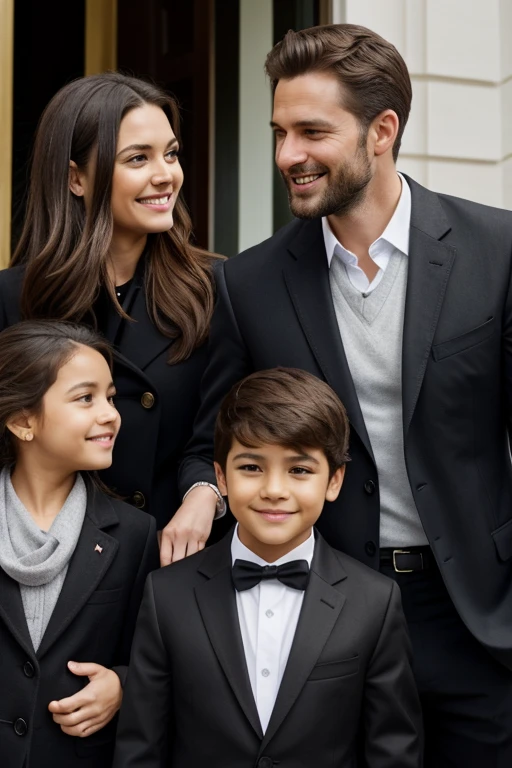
x,y
94,706
190,527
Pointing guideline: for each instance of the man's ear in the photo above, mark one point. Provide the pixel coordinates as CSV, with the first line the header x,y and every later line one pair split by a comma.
x,y
383,131
335,483
21,425
76,184
221,480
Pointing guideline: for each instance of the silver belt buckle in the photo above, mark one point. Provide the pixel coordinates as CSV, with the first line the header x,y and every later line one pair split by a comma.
x,y
404,552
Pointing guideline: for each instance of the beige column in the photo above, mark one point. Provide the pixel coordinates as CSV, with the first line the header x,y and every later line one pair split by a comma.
x,y
100,36
6,78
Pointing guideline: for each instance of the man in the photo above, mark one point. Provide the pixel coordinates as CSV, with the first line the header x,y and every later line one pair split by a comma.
x,y
400,299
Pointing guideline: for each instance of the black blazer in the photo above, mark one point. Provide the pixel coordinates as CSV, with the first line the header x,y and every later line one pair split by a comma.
x,y
275,308
157,402
188,701
93,621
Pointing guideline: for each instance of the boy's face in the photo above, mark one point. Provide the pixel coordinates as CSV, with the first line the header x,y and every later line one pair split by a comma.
x,y
276,494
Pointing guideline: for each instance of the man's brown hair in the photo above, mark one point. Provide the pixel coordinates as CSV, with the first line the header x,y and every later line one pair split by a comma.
x,y
372,73
283,406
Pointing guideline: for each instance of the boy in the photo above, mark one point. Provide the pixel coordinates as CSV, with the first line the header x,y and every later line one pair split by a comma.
x,y
271,648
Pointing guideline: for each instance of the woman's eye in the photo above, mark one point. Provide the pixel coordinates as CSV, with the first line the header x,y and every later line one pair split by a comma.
x,y
111,398
85,399
172,154
137,159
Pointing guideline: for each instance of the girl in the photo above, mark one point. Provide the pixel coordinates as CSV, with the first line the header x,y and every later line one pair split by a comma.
x,y
106,242
73,561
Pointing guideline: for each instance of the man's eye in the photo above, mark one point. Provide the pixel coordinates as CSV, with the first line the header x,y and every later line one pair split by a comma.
x,y
300,471
250,468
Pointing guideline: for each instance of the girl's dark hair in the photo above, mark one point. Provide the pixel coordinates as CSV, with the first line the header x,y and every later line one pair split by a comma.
x,y
65,249
31,355
283,406
372,73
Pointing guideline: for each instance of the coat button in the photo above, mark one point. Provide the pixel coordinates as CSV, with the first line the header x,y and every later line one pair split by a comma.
x,y
138,500
28,669
20,727
369,487
265,762
147,400
370,548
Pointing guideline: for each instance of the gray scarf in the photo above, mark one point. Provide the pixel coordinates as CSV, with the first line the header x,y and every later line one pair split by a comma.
x,y
38,560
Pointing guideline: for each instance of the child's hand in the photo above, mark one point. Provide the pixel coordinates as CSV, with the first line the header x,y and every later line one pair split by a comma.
x,y
94,706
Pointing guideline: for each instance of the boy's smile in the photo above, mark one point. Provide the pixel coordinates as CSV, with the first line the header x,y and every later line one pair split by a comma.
x,y
277,494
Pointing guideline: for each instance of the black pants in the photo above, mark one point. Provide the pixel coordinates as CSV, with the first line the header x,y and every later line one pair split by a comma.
x,y
466,695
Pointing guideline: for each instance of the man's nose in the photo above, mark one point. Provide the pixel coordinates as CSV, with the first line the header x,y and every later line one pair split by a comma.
x,y
290,151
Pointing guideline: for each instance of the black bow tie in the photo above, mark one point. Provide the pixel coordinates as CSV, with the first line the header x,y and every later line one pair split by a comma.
x,y
246,574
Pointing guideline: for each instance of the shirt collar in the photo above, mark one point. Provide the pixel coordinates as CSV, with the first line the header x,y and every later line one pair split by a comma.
x,y
303,552
396,232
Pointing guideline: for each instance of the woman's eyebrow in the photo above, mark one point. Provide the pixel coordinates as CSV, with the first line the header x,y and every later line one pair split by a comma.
x,y
142,147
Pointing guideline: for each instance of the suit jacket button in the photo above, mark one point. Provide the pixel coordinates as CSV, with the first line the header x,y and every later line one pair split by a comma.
x,y
20,727
265,762
370,548
28,669
147,400
369,487
138,500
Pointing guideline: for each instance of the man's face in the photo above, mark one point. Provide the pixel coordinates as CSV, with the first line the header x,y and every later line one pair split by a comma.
x,y
320,147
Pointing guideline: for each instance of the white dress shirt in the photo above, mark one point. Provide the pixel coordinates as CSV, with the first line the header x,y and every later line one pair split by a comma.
x,y
268,615
394,237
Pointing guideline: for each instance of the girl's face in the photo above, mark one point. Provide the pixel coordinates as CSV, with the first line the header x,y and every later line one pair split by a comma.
x,y
78,423
147,174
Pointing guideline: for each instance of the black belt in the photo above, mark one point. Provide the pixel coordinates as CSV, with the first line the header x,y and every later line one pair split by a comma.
x,y
406,560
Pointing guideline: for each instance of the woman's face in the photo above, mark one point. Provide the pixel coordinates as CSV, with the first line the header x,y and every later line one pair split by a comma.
x,y
147,174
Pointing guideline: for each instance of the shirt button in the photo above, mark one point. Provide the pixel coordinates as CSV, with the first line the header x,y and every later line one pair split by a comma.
x,y
265,672
269,613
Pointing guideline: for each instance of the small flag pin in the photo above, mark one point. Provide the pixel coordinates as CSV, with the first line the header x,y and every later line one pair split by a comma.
x,y
99,549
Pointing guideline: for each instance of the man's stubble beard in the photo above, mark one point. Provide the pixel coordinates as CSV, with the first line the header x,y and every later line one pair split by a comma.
x,y
346,191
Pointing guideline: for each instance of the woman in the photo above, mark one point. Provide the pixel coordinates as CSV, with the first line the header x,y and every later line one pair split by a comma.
x,y
106,242
73,561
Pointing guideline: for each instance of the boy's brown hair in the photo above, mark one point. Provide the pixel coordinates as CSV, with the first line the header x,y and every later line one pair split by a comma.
x,y
283,406
372,73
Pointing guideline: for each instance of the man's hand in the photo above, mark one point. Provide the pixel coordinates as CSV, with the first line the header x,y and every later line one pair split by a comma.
x,y
94,706
190,527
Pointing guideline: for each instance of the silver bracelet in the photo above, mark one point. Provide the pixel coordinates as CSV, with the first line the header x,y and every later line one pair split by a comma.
x,y
220,507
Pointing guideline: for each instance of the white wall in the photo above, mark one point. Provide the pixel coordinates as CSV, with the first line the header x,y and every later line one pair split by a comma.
x,y
459,53
256,140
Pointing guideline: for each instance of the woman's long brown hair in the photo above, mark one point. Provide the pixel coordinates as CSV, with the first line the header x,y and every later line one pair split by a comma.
x,y
66,251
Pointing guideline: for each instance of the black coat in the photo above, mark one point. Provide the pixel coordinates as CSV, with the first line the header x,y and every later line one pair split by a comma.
x,y
93,621
157,402
275,307
188,700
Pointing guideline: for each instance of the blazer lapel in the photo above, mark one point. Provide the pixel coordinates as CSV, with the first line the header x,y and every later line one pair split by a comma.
x,y
91,559
307,280
140,340
217,603
12,612
320,610
430,264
